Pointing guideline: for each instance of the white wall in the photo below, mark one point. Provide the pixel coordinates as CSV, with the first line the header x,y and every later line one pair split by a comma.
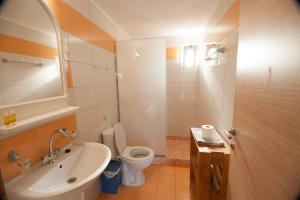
x,y
142,90
217,82
94,87
94,79
182,98
217,87
182,90
93,74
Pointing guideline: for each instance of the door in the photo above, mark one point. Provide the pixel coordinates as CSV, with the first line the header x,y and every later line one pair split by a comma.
x,y
265,163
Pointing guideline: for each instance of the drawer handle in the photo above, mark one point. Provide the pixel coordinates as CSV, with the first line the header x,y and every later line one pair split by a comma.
x,y
216,183
219,173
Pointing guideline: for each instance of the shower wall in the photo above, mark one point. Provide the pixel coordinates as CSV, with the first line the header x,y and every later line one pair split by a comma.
x,y
182,95
142,91
217,81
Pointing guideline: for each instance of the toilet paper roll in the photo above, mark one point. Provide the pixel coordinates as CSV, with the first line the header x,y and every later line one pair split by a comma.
x,y
207,130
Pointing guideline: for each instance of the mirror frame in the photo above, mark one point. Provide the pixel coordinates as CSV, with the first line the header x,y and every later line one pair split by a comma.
x,y
60,51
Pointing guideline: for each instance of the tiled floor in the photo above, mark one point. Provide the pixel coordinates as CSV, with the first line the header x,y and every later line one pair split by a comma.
x,y
168,179
178,148
163,182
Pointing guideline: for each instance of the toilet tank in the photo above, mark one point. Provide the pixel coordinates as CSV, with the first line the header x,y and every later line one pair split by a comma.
x,y
109,140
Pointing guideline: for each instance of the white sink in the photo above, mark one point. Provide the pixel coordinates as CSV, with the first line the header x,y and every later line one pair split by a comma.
x,y
86,162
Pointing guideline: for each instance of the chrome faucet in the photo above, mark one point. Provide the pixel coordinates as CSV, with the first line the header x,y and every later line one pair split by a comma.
x,y
53,153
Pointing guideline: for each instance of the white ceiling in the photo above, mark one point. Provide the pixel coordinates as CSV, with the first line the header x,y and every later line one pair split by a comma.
x,y
159,18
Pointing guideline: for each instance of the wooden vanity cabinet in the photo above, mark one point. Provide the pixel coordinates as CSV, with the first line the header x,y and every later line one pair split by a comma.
x,y
208,171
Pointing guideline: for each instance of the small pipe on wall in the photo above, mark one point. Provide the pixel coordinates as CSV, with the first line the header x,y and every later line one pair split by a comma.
x,y
117,83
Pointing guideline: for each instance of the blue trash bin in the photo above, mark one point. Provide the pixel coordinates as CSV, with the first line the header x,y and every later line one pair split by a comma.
x,y
111,177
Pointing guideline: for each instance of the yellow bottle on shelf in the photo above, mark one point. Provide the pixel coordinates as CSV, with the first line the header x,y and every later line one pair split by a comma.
x,y
6,118
13,117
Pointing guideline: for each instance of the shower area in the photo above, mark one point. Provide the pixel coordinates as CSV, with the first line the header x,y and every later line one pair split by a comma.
x,y
158,96
182,100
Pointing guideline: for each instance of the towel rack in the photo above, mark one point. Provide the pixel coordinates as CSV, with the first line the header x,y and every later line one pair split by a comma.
x,y
5,60
218,50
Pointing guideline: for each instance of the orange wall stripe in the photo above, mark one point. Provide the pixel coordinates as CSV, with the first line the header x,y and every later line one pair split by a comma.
x,y
33,144
228,23
24,47
73,22
173,53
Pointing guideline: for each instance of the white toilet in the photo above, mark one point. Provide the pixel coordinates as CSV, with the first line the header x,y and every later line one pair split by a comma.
x,y
134,158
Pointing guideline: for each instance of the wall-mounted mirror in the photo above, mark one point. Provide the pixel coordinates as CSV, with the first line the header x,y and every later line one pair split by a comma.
x,y
30,62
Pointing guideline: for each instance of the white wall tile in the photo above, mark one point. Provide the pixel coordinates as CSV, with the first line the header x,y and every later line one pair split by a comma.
x,y
189,88
217,88
87,119
189,99
94,135
173,125
112,93
173,109
110,61
98,56
114,110
182,98
173,65
110,76
100,76
79,50
189,76
173,87
173,76
82,74
189,110
173,99
85,97
102,94
93,75
71,94
103,116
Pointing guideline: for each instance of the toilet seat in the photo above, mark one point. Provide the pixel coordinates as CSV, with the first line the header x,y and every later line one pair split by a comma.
x,y
137,153
130,153
134,158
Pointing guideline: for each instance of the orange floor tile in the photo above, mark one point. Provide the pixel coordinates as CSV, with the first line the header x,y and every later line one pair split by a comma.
x,y
178,148
163,182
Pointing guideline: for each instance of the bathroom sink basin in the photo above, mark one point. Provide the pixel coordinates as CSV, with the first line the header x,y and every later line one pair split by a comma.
x,y
70,174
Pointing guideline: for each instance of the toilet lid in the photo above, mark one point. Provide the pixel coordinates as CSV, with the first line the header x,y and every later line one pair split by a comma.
x,y
120,137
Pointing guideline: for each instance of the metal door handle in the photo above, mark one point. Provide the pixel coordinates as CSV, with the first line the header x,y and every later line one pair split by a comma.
x,y
230,133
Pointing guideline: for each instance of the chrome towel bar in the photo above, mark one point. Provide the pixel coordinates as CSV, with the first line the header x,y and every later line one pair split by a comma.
x,y
5,60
